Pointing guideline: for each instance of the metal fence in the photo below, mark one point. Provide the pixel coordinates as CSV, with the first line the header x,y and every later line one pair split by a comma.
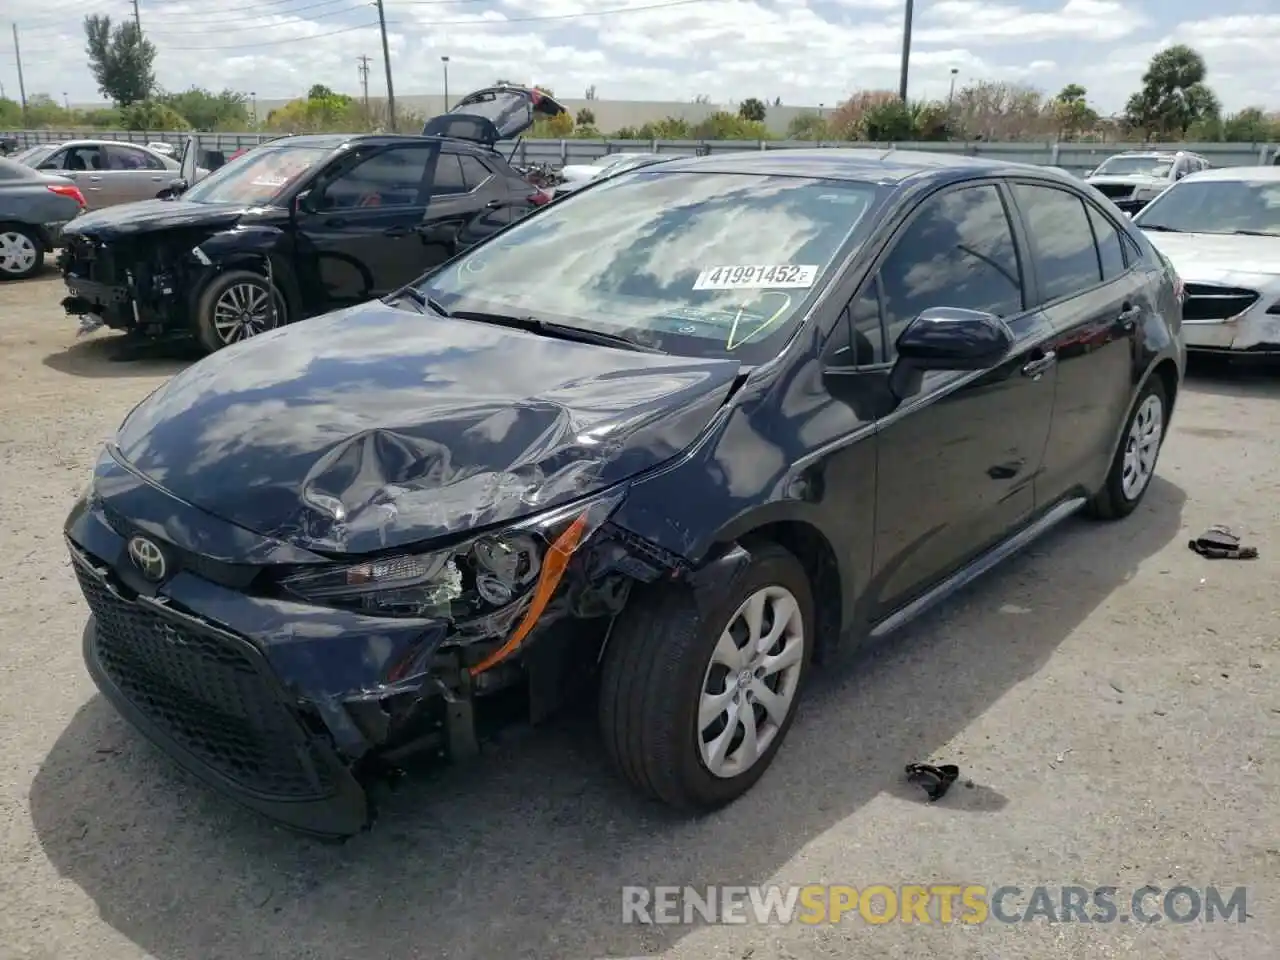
x,y
1076,157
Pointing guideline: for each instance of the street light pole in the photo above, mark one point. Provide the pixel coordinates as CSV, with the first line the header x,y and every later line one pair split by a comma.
x,y
952,92
906,49
445,61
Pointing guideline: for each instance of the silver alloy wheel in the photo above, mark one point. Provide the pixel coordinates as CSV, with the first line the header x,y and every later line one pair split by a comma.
x,y
243,310
1141,447
17,252
749,687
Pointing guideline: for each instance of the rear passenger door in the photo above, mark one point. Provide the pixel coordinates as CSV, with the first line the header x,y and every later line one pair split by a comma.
x,y
1096,302
132,174
462,197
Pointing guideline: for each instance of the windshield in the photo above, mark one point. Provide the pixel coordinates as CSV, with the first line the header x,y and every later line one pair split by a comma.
x,y
1216,206
714,264
258,177
1135,167
33,155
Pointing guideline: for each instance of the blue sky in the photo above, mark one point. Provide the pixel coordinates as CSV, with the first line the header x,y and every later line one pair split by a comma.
x,y
805,51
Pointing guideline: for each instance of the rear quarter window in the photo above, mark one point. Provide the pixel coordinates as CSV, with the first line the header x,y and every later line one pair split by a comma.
x,y
1061,238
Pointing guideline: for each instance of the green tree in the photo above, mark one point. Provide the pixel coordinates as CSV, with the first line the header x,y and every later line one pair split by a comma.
x,y
152,115
586,117
1250,125
807,126
752,109
46,113
889,122
1072,112
1174,95
10,114
206,110
121,59
321,110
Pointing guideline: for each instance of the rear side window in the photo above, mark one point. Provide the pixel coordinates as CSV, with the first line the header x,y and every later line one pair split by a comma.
x,y
449,180
474,172
1107,236
957,252
1061,240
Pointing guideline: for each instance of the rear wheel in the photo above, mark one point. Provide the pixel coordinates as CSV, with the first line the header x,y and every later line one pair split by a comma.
x,y
21,252
694,709
1134,464
237,305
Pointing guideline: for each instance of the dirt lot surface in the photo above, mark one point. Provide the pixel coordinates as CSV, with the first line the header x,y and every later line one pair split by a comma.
x,y
1114,698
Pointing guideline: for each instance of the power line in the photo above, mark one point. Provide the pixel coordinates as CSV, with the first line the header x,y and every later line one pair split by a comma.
x,y
276,43
183,20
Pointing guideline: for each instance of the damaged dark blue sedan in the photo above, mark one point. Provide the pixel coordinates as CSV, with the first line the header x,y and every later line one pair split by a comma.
x,y
666,441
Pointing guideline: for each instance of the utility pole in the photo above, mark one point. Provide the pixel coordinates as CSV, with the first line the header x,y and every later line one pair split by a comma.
x,y
386,59
22,87
364,80
906,50
137,19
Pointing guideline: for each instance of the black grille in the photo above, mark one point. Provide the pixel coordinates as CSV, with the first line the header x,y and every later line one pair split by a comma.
x,y
1207,301
1116,191
90,260
206,694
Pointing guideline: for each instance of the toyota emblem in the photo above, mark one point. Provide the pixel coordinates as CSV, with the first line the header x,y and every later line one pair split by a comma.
x,y
148,558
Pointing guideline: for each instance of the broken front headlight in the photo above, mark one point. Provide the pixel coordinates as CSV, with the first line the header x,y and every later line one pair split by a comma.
x,y
481,577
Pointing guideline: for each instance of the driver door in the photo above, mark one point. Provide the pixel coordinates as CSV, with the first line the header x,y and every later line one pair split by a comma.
x,y
959,459
361,228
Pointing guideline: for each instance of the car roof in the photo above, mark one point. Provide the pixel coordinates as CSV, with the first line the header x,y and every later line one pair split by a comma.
x,y
860,164
1236,174
333,141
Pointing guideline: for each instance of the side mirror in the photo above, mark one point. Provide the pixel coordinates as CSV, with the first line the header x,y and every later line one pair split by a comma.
x,y
176,188
948,338
303,203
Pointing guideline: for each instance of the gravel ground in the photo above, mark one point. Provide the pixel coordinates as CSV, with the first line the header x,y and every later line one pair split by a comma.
x,y
1114,698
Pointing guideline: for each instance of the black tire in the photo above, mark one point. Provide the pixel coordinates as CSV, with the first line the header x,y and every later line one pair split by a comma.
x,y
30,236
1111,502
206,325
652,679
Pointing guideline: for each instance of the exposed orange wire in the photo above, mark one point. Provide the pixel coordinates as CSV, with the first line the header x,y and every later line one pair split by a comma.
x,y
553,568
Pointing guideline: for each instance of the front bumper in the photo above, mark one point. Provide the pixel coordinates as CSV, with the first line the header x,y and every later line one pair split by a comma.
x,y
1253,332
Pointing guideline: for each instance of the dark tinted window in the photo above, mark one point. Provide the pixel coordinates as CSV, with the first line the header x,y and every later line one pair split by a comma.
x,y
390,178
1061,240
474,172
120,157
866,334
449,178
957,252
1109,249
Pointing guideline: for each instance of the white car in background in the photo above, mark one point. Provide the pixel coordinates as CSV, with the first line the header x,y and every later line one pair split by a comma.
x,y
1132,180
1221,231
599,167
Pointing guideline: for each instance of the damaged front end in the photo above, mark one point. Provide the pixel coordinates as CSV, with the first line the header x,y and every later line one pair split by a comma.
x,y
139,283
295,684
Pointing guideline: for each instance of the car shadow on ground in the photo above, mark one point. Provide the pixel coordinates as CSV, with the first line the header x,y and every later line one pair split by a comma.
x,y
1226,376
108,355
523,853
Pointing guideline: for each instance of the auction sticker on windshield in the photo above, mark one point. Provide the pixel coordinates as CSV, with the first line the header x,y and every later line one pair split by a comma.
x,y
759,276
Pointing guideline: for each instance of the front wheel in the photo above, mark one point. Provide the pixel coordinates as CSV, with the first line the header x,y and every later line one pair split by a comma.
x,y
237,305
1134,463
21,252
693,710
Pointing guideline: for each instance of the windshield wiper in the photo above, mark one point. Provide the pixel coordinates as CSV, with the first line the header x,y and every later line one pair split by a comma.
x,y
1158,228
1256,233
422,300
548,328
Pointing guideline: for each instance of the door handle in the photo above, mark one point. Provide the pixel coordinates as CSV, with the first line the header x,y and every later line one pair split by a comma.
x,y
1036,368
95,179
494,204
156,179
1128,317
401,231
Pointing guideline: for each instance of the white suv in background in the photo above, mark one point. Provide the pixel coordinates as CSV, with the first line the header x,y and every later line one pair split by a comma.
x,y
1132,180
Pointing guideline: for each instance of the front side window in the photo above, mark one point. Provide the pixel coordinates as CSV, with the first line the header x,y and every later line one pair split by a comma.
x,y
1215,206
699,264
389,178
1158,167
258,177
957,252
1061,240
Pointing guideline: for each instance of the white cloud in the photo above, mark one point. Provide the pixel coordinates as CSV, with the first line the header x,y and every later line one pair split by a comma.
x,y
803,51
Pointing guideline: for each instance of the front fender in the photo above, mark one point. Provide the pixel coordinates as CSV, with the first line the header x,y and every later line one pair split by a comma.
x,y
248,248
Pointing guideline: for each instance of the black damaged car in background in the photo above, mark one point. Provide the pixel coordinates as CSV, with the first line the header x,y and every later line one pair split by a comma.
x,y
666,441
301,225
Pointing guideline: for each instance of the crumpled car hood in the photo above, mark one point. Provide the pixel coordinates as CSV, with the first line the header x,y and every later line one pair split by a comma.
x,y
1213,256
146,216
376,427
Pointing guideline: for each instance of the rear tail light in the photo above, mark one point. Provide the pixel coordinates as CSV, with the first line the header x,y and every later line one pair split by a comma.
x,y
68,191
539,197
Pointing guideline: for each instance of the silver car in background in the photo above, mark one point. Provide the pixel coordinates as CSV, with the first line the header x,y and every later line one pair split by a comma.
x,y
1221,231
106,171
